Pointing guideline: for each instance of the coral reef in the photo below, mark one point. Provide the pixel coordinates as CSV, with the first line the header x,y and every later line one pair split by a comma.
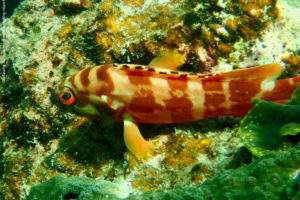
x,y
273,176
277,44
47,40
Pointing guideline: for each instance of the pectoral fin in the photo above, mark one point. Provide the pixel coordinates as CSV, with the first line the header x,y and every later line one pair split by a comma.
x,y
134,140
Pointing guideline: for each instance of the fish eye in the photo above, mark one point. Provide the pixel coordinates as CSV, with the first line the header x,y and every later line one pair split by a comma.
x,y
67,97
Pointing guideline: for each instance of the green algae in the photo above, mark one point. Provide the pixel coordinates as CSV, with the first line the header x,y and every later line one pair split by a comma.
x,y
59,187
85,145
11,91
295,99
265,126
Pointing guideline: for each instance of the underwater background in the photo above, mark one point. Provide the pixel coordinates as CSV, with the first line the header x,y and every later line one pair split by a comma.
x,y
48,153
9,7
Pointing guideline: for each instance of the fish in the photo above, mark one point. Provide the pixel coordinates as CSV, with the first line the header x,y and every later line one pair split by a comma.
x,y
154,94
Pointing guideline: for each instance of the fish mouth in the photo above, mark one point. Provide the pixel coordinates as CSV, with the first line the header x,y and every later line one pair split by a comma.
x,y
53,97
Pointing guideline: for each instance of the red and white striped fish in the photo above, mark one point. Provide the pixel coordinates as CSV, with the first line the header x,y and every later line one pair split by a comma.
x,y
139,94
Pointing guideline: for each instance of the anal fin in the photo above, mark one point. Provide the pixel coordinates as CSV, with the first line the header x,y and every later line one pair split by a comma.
x,y
134,140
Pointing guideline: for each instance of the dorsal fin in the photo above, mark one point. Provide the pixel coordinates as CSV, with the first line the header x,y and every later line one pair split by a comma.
x,y
171,59
265,72
270,71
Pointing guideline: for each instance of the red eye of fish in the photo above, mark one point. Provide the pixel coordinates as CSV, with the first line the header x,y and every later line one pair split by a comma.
x,y
67,97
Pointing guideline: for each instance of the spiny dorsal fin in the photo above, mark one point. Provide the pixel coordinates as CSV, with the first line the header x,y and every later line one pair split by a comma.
x,y
270,71
267,72
171,59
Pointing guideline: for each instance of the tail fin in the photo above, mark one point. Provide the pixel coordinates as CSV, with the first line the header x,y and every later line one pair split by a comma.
x,y
255,83
240,87
282,90
266,87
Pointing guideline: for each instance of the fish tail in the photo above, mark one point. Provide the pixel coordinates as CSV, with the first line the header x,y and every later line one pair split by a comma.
x,y
282,90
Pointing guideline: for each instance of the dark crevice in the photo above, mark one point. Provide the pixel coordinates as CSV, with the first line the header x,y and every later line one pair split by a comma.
x,y
70,195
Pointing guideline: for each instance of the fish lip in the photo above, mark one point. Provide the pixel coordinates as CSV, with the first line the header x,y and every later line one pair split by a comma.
x,y
53,96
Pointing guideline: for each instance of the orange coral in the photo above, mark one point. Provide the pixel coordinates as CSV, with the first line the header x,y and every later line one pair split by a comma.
x,y
232,24
224,48
133,3
292,64
183,152
65,30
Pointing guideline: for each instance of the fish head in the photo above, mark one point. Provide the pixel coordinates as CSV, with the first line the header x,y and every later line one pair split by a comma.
x,y
67,97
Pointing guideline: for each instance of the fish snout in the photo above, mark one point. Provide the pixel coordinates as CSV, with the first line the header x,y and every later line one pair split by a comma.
x,y
53,96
